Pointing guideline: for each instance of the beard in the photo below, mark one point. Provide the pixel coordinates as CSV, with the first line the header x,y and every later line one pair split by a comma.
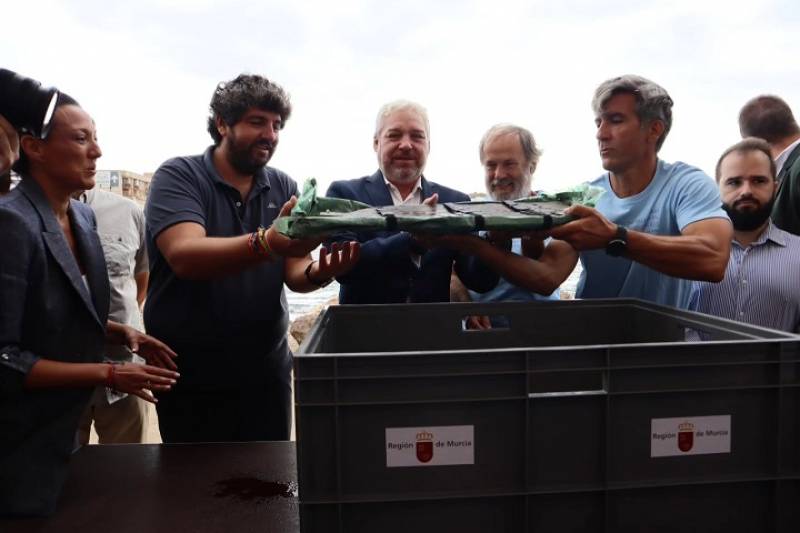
x,y
242,159
521,188
751,219
403,175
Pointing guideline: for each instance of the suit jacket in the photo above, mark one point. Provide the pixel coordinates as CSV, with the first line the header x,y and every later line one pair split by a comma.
x,y
47,312
786,212
385,272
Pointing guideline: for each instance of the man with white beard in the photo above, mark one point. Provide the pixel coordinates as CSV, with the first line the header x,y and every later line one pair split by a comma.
x,y
509,156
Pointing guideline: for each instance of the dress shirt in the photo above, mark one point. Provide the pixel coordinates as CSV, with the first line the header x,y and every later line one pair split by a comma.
x,y
760,285
414,197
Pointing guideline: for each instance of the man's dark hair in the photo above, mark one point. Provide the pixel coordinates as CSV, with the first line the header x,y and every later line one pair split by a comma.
x,y
767,117
748,144
22,166
232,99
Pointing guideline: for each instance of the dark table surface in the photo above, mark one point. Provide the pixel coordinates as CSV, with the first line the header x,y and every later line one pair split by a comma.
x,y
176,488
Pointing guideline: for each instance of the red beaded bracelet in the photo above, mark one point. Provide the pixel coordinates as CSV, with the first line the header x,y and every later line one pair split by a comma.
x,y
257,243
111,381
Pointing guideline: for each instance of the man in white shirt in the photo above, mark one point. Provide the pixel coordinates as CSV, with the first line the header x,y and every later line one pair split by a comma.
x,y
770,118
119,419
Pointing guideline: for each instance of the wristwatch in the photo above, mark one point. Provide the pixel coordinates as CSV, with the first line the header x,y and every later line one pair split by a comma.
x,y
619,243
313,282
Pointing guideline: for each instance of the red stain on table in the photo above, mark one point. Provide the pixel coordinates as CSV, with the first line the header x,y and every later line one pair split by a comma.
x,y
249,488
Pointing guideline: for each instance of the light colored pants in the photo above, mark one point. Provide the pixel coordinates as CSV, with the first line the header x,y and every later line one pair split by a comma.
x,y
122,422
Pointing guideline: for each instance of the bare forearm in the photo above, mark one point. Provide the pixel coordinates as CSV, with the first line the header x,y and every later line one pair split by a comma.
x,y
304,275
458,292
115,332
533,248
296,274
212,257
141,286
47,373
540,276
695,257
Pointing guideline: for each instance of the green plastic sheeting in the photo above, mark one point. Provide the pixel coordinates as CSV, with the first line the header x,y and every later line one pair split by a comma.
x,y
314,216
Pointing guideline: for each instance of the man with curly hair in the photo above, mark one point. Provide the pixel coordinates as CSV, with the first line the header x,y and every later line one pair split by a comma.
x,y
217,272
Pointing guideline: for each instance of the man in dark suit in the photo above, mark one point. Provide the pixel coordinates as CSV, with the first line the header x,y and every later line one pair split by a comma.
x,y
394,266
771,119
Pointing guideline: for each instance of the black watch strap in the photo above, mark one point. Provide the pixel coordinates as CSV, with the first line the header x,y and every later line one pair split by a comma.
x,y
618,245
314,282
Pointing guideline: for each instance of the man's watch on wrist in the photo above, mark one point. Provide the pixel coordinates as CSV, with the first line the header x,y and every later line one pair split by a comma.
x,y
319,284
618,244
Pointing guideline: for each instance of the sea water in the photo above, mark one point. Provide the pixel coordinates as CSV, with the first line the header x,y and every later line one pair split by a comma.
x,y
302,303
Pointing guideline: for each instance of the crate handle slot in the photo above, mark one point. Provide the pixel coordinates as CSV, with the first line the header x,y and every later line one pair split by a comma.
x,y
485,323
572,393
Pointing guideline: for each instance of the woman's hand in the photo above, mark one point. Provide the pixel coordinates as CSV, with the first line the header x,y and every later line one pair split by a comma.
x,y
141,380
153,350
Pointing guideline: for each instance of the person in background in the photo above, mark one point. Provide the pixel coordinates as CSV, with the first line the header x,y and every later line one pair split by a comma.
x,y
54,297
217,270
770,118
395,266
760,285
9,152
119,419
509,156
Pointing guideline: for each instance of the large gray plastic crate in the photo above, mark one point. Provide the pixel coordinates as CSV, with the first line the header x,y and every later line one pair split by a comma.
x,y
561,404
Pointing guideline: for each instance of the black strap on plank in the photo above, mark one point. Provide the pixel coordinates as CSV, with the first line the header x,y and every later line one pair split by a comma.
x,y
391,221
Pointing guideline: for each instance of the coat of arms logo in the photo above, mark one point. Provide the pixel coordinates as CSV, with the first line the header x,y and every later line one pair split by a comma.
x,y
685,436
424,446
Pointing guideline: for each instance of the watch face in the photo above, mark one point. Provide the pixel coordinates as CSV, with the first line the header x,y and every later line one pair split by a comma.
x,y
616,247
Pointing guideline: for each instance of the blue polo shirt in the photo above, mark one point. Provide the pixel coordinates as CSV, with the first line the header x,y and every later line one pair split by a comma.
x,y
246,308
677,196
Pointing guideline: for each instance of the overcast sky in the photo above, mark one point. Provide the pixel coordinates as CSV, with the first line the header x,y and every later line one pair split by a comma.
x,y
145,70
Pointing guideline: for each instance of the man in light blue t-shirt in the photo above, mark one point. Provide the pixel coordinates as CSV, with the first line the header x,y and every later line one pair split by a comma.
x,y
657,226
677,197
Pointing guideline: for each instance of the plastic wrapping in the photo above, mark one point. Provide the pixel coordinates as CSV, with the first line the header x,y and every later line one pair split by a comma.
x,y
314,215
